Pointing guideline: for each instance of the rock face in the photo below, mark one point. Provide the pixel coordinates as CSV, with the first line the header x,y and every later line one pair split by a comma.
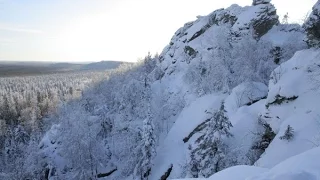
x,y
225,29
265,20
312,26
260,18
257,2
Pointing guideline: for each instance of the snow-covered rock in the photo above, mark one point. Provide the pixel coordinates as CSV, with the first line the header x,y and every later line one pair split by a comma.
x,y
287,159
245,128
245,94
237,173
192,66
173,150
312,26
293,100
261,17
198,47
257,2
304,166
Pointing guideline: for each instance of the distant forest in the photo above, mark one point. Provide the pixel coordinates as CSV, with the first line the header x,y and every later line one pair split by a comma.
x,y
9,69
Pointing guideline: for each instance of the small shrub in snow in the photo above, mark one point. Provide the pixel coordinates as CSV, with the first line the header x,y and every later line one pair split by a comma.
x,y
289,134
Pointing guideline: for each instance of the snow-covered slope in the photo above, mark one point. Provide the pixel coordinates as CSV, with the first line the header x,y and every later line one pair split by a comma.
x,y
288,159
173,150
293,100
235,173
218,52
304,166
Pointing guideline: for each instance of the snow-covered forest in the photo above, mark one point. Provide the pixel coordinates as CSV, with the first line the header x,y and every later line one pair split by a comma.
x,y
234,95
25,103
38,95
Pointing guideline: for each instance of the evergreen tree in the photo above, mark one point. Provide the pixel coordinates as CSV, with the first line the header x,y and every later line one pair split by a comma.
x,y
211,150
143,168
288,135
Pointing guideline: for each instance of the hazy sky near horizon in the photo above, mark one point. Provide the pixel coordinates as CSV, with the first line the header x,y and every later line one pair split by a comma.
x,y
94,30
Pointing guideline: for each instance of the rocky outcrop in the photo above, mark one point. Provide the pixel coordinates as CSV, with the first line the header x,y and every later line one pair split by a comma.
x,y
257,2
261,18
312,26
218,17
265,20
239,22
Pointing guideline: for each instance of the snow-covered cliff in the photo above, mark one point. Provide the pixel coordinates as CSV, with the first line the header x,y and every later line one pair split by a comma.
x,y
216,53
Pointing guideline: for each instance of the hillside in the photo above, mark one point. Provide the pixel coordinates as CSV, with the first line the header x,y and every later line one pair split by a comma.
x,y
102,65
9,68
234,95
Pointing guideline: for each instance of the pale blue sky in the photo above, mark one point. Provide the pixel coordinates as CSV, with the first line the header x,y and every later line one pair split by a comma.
x,y
94,30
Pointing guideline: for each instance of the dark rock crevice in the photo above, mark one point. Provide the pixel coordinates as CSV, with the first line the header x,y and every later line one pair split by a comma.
x,y
167,173
101,175
199,128
254,101
281,99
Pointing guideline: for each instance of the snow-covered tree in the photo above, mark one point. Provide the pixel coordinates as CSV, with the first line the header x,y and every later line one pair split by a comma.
x,y
148,148
211,150
285,19
193,165
14,152
80,145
